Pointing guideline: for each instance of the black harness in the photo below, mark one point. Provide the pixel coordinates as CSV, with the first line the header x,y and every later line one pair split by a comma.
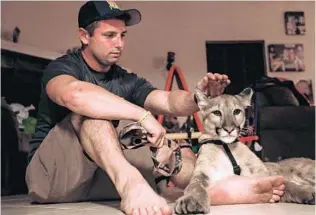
x,y
236,167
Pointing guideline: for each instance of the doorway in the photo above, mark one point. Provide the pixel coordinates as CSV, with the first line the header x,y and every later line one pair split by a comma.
x,y
243,61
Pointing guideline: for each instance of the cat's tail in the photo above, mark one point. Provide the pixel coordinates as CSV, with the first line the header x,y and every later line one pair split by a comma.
x,y
302,194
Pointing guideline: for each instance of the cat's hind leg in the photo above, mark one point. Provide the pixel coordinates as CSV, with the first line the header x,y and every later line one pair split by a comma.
x,y
301,194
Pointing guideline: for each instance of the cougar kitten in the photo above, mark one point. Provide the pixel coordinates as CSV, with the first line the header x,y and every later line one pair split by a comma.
x,y
223,119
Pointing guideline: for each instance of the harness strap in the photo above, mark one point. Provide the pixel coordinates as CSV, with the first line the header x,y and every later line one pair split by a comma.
x,y
236,167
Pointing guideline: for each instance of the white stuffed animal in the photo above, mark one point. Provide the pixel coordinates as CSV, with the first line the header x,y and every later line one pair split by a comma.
x,y
21,112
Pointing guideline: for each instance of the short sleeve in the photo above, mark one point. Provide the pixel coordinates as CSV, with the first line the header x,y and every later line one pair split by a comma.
x,y
60,66
141,91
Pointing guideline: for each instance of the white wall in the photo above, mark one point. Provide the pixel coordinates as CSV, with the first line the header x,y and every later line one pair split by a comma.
x,y
50,25
182,27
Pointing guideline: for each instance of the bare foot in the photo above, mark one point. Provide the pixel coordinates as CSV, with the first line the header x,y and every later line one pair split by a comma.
x,y
245,190
140,199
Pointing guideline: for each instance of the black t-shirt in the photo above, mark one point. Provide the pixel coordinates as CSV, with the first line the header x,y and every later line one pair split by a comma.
x,y
117,81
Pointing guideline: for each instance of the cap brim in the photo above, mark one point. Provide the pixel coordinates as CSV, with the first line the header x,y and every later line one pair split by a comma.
x,y
133,17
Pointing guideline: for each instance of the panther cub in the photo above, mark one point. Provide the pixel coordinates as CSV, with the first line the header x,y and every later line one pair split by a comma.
x,y
223,118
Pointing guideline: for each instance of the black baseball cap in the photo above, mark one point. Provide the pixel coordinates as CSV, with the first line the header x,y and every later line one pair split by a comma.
x,y
101,10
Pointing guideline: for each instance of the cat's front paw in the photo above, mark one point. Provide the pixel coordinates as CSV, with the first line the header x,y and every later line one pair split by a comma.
x,y
192,204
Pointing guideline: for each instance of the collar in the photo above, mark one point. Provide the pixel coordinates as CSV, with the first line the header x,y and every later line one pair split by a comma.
x,y
236,167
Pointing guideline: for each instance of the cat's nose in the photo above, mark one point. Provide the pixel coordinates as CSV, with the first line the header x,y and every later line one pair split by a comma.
x,y
228,129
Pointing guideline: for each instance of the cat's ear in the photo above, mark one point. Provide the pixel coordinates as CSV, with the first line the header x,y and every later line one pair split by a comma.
x,y
245,97
201,99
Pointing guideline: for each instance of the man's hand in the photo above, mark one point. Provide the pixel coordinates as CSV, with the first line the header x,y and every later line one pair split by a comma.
x,y
156,130
213,84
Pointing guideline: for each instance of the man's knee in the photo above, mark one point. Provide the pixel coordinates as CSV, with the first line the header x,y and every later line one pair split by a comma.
x,y
182,179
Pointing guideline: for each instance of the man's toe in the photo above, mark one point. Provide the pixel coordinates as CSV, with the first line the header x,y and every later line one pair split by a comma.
x,y
166,210
275,198
135,211
278,192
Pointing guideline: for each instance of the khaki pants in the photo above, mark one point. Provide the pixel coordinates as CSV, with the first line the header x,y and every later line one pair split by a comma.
x,y
60,172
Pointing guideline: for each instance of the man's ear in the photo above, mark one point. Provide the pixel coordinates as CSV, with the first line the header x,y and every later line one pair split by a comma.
x,y
84,36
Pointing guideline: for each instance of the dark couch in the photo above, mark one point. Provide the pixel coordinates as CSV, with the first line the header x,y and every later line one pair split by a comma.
x,y
285,126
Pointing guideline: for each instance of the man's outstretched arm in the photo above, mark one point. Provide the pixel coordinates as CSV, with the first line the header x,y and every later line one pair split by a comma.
x,y
180,102
175,103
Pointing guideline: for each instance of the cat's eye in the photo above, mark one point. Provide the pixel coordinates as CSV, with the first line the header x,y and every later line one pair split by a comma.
x,y
237,111
217,113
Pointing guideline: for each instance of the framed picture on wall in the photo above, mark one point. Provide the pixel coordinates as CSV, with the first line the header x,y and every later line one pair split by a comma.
x,y
294,23
286,57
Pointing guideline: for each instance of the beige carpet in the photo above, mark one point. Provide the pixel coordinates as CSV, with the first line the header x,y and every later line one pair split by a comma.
x,y
19,205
